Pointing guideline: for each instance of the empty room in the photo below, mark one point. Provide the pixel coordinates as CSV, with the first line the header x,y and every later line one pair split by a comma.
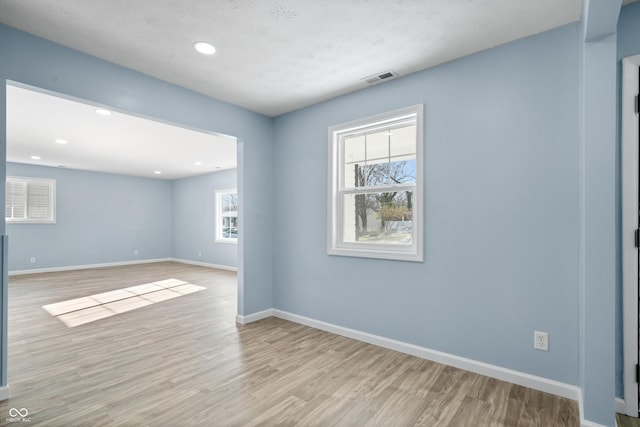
x,y
349,213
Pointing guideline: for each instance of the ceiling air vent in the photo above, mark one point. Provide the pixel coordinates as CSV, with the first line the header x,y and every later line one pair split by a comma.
x,y
380,77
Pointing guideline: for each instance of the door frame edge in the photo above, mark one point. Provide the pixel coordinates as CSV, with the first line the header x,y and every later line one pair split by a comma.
x,y
629,193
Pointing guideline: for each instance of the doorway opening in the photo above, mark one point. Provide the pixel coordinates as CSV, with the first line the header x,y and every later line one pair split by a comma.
x,y
74,163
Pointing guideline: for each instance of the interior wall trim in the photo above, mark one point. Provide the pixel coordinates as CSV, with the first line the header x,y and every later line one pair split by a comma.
x,y
118,264
86,266
254,317
205,264
620,405
629,252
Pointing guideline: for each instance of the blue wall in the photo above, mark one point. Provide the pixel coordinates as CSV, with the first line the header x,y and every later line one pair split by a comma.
x,y
194,208
628,45
104,218
101,218
502,211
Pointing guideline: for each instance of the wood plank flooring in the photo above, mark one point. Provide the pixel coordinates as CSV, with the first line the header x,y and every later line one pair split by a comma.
x,y
625,421
185,362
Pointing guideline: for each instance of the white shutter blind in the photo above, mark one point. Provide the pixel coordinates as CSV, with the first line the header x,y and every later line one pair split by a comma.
x,y
38,201
16,206
30,200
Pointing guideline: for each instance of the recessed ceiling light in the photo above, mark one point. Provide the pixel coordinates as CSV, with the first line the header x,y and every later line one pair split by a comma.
x,y
204,48
61,141
36,157
197,163
158,172
103,112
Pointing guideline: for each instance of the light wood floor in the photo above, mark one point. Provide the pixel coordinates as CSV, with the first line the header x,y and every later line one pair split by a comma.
x,y
624,421
185,362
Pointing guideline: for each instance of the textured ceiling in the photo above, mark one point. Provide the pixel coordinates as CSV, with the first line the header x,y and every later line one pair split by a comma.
x,y
280,55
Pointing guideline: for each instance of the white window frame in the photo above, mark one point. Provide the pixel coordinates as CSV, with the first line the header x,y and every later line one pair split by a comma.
x,y
335,241
219,236
28,181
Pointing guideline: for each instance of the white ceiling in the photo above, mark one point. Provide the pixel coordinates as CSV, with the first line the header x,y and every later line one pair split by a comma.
x,y
118,143
275,56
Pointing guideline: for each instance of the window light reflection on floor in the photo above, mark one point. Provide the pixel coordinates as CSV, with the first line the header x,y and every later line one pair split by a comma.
x,y
80,311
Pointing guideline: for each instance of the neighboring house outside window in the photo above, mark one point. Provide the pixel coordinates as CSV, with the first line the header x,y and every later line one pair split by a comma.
x,y
375,188
227,216
30,200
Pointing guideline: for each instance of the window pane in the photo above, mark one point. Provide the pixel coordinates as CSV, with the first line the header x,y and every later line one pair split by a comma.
x,y
378,218
16,200
377,146
382,157
38,201
229,207
398,172
404,141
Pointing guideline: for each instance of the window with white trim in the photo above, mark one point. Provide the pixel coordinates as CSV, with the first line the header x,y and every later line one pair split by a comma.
x,y
375,186
30,200
227,216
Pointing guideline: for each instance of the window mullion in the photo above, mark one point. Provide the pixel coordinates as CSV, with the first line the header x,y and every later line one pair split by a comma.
x,y
378,189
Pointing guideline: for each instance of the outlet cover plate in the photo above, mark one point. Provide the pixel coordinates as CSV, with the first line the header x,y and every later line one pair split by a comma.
x,y
541,340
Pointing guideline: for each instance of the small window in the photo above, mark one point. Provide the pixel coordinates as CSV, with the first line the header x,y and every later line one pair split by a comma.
x,y
227,216
375,188
30,200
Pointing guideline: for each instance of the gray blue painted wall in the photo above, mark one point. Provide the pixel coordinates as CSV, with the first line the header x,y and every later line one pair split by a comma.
x,y
104,218
628,45
502,211
194,231
629,31
520,218
101,218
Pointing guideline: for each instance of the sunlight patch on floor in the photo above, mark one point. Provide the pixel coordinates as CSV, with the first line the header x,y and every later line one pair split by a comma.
x,y
83,310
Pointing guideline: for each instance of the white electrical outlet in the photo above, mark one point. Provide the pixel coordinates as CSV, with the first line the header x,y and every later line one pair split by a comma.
x,y
135,252
32,260
200,253
541,340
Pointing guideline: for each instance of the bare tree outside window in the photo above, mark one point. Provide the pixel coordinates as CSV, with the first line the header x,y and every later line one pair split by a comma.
x,y
375,206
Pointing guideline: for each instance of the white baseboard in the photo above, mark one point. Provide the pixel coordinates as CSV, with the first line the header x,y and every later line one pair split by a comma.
x,y
527,380
587,423
620,406
118,264
86,266
254,317
205,264
4,393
